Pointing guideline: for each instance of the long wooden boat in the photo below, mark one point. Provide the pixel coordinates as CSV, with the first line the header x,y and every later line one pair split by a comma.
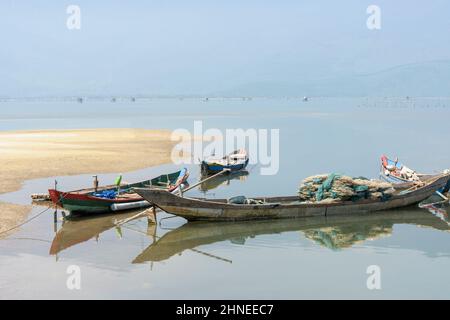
x,y
287,207
105,199
235,161
336,232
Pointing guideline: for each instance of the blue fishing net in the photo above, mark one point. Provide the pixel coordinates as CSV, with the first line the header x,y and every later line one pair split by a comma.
x,y
106,194
328,183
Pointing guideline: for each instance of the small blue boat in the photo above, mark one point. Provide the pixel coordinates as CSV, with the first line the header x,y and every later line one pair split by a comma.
x,y
235,161
391,179
393,171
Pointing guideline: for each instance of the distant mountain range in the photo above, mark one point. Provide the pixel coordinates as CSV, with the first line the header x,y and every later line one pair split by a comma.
x,y
420,79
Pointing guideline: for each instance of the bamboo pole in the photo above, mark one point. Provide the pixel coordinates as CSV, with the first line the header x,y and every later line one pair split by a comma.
x,y
121,222
204,180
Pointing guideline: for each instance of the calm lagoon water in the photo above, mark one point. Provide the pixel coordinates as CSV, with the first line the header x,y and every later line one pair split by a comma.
x,y
304,258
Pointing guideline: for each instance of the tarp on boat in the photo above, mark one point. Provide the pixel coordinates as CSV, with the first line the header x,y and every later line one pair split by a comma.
x,y
105,194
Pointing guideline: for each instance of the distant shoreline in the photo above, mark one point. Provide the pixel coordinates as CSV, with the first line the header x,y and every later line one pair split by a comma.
x,y
34,154
143,98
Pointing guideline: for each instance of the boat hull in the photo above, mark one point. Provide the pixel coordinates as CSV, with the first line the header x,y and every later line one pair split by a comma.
x,y
85,202
209,168
281,207
392,179
397,180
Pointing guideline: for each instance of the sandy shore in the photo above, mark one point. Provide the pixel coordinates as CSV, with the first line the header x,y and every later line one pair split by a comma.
x,y
11,215
28,155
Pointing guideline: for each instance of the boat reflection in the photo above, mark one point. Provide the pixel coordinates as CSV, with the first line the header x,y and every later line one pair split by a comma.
x,y
346,236
335,233
78,229
222,180
439,210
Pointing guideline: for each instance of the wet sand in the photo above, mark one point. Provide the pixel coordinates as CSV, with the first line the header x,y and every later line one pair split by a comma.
x,y
28,155
10,216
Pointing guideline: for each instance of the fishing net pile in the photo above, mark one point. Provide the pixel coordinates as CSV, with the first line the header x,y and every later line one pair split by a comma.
x,y
334,188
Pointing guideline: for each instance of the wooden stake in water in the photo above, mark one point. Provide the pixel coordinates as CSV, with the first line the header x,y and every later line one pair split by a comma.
x,y
95,183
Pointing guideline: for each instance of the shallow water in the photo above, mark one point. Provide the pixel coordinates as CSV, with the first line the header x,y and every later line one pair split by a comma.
x,y
309,258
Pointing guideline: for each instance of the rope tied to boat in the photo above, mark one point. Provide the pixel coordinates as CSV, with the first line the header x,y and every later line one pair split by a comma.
x,y
30,219
26,221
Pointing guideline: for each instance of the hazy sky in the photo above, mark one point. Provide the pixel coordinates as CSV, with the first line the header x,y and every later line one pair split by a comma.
x,y
183,47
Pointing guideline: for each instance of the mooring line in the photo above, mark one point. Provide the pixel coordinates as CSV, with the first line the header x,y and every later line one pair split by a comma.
x,y
25,222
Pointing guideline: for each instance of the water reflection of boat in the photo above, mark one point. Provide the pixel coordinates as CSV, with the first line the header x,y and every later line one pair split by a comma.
x,y
439,210
333,232
346,236
222,180
76,230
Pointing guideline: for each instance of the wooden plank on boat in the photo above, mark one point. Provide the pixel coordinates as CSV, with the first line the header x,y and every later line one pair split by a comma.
x,y
40,197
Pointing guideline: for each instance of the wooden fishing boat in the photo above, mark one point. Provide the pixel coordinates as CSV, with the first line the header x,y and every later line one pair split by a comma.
x,y
235,161
107,199
288,207
393,171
